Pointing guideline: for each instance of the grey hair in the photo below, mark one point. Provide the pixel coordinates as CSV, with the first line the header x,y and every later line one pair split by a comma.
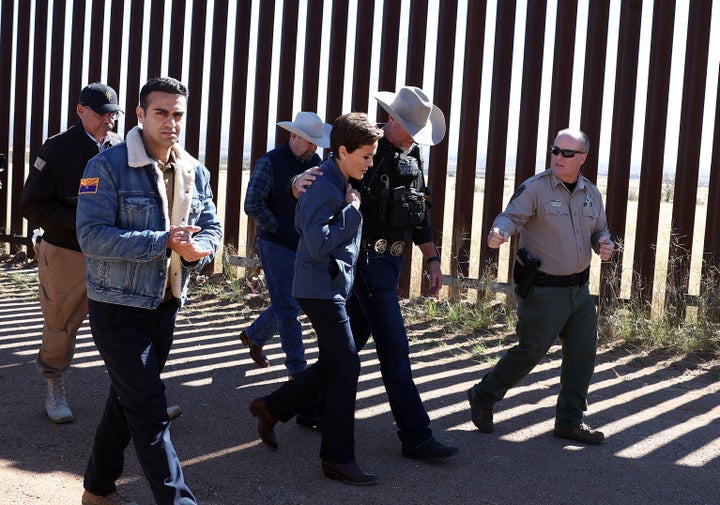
x,y
578,135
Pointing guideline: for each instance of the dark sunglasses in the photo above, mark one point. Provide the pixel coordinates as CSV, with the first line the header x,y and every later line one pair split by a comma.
x,y
567,153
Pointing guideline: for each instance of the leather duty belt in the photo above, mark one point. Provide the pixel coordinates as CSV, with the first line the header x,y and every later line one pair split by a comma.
x,y
380,245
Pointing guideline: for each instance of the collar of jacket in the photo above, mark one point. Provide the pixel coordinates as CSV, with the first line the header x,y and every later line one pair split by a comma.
x,y
138,156
184,191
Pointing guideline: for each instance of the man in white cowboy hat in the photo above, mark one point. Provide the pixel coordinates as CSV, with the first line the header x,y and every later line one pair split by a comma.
x,y
394,214
269,201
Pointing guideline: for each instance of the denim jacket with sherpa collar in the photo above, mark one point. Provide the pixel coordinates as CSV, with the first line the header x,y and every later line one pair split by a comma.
x,y
123,223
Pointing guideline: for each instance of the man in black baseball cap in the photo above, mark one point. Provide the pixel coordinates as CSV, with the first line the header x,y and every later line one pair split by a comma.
x,y
48,201
100,97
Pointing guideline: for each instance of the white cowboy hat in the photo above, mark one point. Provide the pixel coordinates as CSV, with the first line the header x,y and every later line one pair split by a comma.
x,y
411,107
309,126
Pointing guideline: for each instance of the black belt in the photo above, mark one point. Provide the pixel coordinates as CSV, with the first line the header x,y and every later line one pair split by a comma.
x,y
562,281
380,245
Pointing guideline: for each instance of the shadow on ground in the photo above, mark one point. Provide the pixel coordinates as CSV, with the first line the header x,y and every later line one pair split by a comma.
x,y
661,417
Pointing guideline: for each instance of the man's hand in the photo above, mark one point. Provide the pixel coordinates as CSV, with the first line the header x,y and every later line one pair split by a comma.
x,y
180,240
605,249
496,238
305,179
436,278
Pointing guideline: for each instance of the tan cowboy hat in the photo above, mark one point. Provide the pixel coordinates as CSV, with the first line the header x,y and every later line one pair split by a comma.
x,y
309,126
411,107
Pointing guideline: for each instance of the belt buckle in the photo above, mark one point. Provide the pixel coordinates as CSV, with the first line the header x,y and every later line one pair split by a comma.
x,y
379,246
397,248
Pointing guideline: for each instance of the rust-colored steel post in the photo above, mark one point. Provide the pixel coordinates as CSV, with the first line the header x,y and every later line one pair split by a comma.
x,y
96,49
497,132
620,148
261,101
564,55
213,135
178,31
688,160
286,68
115,50
236,148
442,97
76,59
711,244
37,114
525,159
416,43
22,68
155,35
413,77
336,63
593,80
196,79
651,171
363,56
135,50
311,66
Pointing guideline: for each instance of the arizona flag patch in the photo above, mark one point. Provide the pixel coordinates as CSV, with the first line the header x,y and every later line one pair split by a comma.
x,y
89,185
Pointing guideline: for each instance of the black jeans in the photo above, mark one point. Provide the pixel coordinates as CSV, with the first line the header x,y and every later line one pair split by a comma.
x,y
135,343
336,369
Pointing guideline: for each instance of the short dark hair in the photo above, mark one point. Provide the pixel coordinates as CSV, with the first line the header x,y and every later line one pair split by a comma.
x,y
164,85
353,130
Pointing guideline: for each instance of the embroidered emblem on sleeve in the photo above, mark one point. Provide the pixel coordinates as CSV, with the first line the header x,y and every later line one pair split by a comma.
x,y
518,192
89,185
39,164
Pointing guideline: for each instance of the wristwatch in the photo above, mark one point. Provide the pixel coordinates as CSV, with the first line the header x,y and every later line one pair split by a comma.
x,y
433,258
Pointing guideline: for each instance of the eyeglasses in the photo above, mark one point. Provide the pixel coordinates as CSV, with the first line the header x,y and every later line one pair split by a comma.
x,y
567,153
110,115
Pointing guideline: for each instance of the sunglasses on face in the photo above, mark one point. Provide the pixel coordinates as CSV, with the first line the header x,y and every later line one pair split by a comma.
x,y
567,153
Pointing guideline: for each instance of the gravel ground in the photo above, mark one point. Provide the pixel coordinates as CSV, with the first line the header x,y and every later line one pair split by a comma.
x,y
661,416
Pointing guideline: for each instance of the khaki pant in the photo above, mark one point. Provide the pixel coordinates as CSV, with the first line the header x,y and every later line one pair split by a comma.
x,y
64,304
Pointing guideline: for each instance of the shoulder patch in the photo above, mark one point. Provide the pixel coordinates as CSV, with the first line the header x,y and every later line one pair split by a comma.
x,y
89,185
39,164
518,192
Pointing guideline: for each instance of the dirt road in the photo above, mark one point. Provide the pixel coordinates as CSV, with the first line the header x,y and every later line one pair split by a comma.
x,y
661,418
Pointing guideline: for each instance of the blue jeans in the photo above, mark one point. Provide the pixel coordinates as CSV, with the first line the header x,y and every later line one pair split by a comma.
x,y
374,309
336,371
282,315
134,344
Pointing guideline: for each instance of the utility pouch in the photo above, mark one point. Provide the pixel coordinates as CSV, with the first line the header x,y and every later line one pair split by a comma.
x,y
408,207
525,271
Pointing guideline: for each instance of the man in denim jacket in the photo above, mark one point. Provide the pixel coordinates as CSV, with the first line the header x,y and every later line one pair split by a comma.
x,y
145,219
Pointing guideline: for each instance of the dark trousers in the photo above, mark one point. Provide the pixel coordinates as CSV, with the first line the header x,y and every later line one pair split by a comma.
x,y
374,309
134,343
336,370
547,313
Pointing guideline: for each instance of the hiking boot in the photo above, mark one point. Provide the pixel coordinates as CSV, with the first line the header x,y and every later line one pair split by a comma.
x,y
174,411
112,499
581,433
480,413
56,404
256,351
